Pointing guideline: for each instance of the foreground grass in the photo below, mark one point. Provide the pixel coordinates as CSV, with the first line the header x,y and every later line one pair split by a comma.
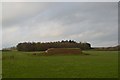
x,y
0,64
99,64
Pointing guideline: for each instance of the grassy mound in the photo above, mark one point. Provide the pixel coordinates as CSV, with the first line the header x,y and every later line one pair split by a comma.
x,y
66,51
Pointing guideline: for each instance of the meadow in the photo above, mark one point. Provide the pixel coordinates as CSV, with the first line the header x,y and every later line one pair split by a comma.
x,y
0,64
99,64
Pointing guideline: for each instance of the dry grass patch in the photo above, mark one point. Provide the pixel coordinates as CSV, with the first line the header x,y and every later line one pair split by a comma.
x,y
66,51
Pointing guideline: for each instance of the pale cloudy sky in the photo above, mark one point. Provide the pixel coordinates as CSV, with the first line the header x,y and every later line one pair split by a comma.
x,y
93,22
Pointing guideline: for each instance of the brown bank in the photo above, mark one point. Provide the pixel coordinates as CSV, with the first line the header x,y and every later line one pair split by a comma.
x,y
61,51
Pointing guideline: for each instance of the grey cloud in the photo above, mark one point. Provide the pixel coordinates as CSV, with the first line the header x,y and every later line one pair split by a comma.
x,y
16,12
92,22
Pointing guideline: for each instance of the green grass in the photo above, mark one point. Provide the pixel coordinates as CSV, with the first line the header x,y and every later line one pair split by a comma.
x,y
0,64
99,64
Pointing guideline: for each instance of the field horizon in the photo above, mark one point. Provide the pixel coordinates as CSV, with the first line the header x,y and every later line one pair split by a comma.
x,y
31,29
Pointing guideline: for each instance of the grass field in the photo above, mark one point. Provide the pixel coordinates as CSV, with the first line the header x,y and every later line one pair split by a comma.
x,y
99,64
0,64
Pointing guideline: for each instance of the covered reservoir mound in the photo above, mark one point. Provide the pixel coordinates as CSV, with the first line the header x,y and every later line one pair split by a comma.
x,y
55,51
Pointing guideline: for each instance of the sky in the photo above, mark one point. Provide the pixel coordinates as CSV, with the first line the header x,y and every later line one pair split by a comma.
x,y
93,22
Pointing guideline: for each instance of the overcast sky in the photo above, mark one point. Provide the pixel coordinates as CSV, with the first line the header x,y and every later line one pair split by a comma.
x,y
93,22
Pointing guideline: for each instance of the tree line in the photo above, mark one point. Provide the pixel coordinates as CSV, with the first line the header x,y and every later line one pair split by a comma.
x,y
115,48
41,46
